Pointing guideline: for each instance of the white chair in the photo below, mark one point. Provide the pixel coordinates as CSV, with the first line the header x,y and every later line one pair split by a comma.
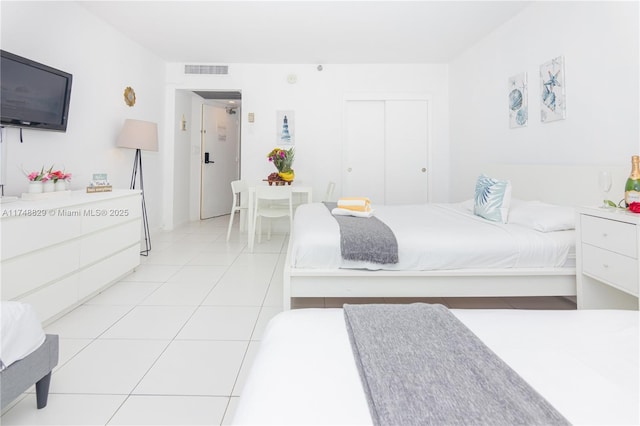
x,y
329,194
238,187
268,204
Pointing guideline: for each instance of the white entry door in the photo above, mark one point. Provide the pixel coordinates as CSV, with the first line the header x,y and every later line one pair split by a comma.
x,y
385,151
218,160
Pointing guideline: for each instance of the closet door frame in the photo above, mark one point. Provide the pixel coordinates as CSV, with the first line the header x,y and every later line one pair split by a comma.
x,y
389,96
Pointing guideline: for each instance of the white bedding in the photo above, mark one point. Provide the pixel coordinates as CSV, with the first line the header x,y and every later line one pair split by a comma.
x,y
432,237
21,332
585,363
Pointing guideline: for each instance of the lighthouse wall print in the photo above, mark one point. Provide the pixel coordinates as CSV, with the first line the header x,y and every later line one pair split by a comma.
x,y
285,129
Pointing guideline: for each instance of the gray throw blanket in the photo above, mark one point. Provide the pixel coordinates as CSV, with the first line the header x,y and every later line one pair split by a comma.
x,y
366,239
420,365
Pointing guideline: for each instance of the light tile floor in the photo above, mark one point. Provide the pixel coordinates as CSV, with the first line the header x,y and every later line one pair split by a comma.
x,y
172,342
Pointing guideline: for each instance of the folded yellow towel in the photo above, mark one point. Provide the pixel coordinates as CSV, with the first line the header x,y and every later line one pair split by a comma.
x,y
356,204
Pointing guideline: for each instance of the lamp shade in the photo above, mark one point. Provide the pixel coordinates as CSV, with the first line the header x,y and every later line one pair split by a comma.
x,y
139,134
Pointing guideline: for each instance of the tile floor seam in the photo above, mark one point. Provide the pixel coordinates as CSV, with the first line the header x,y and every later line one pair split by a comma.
x,y
93,339
115,412
224,415
244,357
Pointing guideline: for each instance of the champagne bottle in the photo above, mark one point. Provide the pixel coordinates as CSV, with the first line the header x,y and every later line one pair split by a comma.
x,y
632,188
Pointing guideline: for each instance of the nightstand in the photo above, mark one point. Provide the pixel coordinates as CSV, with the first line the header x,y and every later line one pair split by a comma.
x,y
607,258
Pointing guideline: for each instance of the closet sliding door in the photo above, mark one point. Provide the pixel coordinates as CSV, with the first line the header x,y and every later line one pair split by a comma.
x,y
406,143
385,150
364,151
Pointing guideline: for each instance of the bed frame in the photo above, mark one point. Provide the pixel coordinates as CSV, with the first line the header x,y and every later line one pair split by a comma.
x,y
558,184
34,368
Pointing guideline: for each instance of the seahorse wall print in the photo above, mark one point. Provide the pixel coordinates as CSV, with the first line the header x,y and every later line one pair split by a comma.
x,y
552,90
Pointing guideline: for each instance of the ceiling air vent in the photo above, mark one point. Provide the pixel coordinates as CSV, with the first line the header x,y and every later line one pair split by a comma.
x,y
206,69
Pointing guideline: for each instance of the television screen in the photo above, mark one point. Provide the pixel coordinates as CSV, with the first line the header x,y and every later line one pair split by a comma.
x,y
33,95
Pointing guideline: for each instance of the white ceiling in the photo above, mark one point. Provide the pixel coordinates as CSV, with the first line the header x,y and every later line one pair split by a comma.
x,y
297,32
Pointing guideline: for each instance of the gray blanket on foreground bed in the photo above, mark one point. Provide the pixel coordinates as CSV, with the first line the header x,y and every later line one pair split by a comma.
x,y
366,239
420,365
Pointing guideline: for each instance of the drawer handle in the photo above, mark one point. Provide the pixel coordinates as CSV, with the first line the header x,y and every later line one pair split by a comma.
x,y
605,235
605,266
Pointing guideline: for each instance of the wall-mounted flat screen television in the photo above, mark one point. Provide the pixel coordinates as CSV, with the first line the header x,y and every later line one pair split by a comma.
x,y
33,95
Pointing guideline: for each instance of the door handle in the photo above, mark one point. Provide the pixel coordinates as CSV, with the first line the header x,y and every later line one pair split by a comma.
x,y
206,159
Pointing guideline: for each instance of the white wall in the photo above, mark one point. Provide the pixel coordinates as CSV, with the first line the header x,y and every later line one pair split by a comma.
x,y
182,155
103,62
599,41
317,99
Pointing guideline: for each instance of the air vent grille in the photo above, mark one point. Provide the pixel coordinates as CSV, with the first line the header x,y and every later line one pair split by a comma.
x,y
206,69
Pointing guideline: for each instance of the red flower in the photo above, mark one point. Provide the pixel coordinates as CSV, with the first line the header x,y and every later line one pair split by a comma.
x,y
634,207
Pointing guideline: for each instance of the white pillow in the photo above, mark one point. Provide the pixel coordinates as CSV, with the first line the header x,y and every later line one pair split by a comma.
x,y
492,198
541,216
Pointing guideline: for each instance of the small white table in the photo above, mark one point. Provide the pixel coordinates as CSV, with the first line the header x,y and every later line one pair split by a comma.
x,y
295,189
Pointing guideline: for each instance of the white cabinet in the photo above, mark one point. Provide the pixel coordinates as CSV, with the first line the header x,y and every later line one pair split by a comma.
x,y
608,261
385,152
58,252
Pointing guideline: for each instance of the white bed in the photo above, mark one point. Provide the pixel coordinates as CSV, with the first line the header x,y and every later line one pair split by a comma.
x,y
585,363
433,237
444,250
21,332
27,355
318,271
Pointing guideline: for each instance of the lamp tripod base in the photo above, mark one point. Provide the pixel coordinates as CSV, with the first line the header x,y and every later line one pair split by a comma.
x,y
137,165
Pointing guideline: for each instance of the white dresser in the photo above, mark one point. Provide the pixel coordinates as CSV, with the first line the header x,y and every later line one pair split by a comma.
x,y
58,252
608,258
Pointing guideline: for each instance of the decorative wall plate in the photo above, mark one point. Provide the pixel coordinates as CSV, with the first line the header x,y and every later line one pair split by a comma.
x,y
129,96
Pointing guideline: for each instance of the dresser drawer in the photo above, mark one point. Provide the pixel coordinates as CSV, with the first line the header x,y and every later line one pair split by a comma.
x,y
612,235
617,270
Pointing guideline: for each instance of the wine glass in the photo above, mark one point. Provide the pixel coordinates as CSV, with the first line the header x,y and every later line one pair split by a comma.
x,y
604,183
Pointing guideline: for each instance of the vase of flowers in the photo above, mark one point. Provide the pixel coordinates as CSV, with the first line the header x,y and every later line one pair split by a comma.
x,y
35,187
60,179
37,180
282,159
48,185
47,180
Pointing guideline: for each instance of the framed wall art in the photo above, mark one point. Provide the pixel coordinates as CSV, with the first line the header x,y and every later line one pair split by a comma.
x,y
552,90
518,103
285,128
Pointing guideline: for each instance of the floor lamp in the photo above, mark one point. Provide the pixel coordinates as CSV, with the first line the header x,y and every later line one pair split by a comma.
x,y
140,135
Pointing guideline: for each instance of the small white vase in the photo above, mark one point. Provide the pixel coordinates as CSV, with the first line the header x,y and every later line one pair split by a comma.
x,y
48,186
35,187
61,185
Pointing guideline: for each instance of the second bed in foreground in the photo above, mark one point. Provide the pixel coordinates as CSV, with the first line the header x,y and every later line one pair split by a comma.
x,y
584,363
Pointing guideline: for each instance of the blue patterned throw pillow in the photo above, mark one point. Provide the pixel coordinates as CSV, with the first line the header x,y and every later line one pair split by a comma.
x,y
492,198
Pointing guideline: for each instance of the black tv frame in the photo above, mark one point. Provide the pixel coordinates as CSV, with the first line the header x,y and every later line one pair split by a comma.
x,y
62,126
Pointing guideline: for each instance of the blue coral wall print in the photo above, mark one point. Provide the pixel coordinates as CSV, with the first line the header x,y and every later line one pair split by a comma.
x,y
552,90
518,104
